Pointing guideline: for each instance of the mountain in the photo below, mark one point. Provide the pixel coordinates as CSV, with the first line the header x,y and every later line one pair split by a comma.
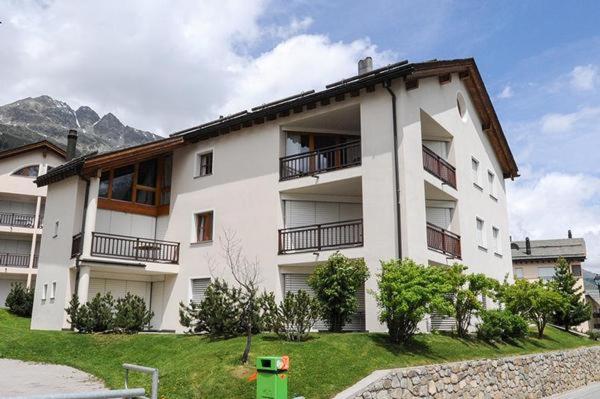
x,y
34,119
590,285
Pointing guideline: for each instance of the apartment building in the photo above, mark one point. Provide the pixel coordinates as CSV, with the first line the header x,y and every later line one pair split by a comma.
x,y
22,211
408,160
535,259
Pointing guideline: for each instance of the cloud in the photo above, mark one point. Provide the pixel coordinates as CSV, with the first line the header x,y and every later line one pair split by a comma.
x,y
166,65
507,92
584,77
547,206
585,118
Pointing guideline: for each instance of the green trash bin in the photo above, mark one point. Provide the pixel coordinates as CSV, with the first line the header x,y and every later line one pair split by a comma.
x,y
271,379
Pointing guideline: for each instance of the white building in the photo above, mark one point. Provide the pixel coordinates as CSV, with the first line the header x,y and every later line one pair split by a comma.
x,y
404,161
22,211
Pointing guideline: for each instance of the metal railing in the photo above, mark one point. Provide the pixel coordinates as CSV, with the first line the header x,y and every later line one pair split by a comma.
x,y
76,245
323,236
126,247
16,260
17,220
439,167
439,239
322,160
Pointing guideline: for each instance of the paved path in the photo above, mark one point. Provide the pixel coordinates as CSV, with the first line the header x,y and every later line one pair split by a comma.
x,y
591,391
25,378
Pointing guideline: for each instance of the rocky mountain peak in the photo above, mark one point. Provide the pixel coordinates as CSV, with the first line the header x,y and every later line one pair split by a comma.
x,y
86,116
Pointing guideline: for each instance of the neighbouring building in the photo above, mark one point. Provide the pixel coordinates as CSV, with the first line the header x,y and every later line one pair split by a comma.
x,y
408,160
592,295
536,259
22,211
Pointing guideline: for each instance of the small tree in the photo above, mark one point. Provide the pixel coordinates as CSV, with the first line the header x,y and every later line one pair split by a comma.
x,y
536,301
463,295
296,316
408,291
335,284
574,310
131,314
20,300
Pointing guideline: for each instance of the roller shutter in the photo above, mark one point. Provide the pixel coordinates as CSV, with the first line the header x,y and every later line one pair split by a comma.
x,y
439,217
296,282
199,286
119,288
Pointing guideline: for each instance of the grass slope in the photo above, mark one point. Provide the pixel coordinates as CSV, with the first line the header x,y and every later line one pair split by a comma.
x,y
195,367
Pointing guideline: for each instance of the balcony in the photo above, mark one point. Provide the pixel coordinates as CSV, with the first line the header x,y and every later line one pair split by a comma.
x,y
443,241
134,248
319,237
17,220
323,160
439,167
17,260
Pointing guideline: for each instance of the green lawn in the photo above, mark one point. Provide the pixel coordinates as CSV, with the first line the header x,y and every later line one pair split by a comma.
x,y
195,367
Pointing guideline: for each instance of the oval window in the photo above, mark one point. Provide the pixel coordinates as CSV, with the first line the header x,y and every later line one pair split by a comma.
x,y
461,105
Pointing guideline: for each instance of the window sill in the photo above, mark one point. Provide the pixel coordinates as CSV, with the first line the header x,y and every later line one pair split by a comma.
x,y
477,186
201,243
493,197
481,247
498,254
201,176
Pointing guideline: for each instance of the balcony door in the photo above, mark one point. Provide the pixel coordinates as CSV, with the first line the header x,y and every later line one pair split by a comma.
x,y
440,148
441,217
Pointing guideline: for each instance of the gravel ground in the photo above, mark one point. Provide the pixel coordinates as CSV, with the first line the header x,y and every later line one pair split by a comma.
x,y
25,378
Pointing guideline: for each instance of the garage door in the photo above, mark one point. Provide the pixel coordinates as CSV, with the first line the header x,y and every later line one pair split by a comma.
x,y
119,288
296,282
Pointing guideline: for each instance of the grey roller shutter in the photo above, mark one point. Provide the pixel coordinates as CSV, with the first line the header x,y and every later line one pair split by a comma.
x,y
296,282
199,286
438,216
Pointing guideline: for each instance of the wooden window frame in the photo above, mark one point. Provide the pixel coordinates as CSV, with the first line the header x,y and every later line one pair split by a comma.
x,y
133,206
207,237
199,157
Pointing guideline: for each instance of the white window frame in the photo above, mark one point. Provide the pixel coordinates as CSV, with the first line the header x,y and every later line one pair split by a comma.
x,y
481,243
544,277
516,275
492,183
198,165
476,172
56,226
44,291
53,290
496,237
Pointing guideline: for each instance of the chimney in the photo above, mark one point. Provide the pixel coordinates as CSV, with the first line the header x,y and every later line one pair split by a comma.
x,y
365,65
527,246
569,234
71,144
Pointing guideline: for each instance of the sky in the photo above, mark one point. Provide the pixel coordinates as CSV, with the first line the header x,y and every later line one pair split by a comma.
x,y
165,65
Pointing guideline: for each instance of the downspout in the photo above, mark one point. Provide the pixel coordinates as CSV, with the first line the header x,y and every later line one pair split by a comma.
x,y
78,258
387,85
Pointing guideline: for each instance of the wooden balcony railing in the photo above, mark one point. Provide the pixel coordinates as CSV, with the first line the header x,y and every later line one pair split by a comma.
x,y
16,260
439,167
76,245
319,237
442,240
17,220
136,248
322,160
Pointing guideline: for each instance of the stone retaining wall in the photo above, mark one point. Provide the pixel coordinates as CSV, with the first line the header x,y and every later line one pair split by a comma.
x,y
531,376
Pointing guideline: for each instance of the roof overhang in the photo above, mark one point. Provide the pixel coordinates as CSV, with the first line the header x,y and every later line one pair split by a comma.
x,y
44,145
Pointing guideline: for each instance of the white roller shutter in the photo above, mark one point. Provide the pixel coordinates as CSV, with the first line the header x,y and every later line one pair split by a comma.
x,y
327,212
199,286
306,213
119,288
97,286
299,213
350,211
439,217
438,147
296,282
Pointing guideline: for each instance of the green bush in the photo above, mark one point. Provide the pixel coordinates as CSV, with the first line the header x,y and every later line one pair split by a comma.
x,y
594,335
501,325
408,291
103,314
335,284
574,310
131,314
296,316
20,300
221,312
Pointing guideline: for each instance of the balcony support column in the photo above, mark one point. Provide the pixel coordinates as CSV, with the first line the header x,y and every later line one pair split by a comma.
x,y
90,215
83,285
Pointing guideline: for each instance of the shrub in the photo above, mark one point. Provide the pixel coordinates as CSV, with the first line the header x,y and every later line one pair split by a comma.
x,y
408,291
296,316
574,310
594,335
335,284
501,324
131,314
20,300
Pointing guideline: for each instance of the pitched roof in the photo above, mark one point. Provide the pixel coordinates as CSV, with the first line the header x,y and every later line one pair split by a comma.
x,y
465,68
568,248
43,145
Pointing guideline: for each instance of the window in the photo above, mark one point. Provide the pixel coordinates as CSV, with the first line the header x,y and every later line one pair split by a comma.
x,y
56,224
475,171
205,162
496,238
518,272
53,290
199,286
165,193
546,273
461,106
28,171
44,292
576,270
122,182
481,233
492,184
204,226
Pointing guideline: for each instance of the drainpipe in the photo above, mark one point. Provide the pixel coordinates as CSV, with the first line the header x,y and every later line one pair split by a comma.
x,y
78,258
388,85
